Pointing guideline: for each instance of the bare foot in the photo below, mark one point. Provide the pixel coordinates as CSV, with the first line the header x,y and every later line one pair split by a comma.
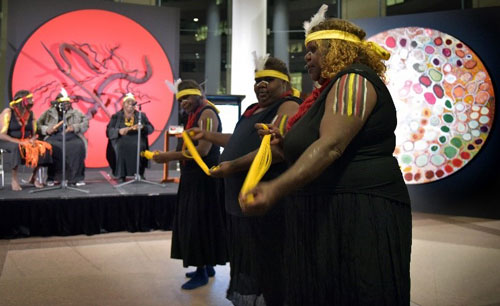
x,y
15,186
32,179
38,184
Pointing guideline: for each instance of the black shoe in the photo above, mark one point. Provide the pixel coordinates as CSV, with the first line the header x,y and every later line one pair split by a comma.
x,y
210,272
199,279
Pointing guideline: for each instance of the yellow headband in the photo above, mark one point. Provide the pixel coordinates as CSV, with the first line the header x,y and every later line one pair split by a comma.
x,y
18,100
342,35
271,73
63,99
187,92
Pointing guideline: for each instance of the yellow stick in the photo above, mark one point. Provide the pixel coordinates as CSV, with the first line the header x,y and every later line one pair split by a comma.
x,y
259,167
194,153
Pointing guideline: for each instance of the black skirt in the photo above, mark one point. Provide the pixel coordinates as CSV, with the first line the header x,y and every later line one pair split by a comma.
x,y
75,158
347,249
256,258
198,233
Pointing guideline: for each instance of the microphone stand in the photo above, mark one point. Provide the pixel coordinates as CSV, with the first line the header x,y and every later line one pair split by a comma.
x,y
137,176
64,183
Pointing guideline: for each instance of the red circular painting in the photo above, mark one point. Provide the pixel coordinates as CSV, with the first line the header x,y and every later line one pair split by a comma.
x,y
97,56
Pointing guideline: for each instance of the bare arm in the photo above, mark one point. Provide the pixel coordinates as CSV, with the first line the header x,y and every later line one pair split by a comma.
x,y
5,118
216,138
203,147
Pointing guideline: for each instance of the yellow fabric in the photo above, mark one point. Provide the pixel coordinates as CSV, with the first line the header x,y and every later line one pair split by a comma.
x,y
271,73
194,153
295,92
30,95
336,34
259,167
188,92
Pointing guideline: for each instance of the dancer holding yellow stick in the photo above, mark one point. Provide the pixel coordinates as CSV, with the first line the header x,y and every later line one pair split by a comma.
x,y
255,243
198,234
348,214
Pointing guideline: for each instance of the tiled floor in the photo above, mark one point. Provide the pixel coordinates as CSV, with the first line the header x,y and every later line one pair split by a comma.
x,y
455,261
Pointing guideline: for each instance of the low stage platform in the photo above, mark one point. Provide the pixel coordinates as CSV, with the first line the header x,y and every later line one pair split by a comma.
x,y
105,208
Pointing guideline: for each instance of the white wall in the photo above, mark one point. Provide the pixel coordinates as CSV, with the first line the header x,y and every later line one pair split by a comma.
x,y
248,34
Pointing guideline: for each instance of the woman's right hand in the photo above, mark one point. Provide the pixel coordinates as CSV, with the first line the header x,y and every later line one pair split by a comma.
x,y
196,133
258,200
276,137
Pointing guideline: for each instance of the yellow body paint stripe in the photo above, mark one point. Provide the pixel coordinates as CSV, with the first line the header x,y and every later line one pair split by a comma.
x,y
350,89
283,124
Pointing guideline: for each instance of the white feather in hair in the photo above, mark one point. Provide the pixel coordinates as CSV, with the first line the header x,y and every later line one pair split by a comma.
x,y
64,93
174,87
316,19
260,61
129,95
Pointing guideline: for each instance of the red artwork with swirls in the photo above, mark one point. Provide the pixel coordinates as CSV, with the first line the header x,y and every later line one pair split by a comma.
x,y
97,56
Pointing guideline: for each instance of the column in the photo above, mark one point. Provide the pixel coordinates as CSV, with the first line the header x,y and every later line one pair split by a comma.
x,y
212,50
280,30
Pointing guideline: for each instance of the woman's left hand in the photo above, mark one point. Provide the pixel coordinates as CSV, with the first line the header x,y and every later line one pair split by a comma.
x,y
264,197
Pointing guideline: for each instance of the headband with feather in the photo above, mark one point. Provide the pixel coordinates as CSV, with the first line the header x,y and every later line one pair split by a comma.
x,y
260,61
63,96
174,87
316,19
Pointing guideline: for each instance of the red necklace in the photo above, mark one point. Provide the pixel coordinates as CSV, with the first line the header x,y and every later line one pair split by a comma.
x,y
306,105
23,118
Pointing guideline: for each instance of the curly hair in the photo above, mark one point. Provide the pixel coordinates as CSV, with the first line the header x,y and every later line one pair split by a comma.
x,y
338,54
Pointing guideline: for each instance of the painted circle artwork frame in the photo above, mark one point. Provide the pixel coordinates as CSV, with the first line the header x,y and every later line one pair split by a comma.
x,y
97,56
444,99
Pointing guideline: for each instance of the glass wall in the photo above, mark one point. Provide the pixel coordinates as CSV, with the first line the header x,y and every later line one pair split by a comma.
x,y
203,42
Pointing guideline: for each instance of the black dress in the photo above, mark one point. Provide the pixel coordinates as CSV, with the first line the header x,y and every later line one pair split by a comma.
x,y
198,235
121,151
349,231
255,243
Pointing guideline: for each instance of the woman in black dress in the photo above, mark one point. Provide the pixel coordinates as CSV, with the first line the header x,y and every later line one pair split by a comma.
x,y
348,214
121,151
255,243
198,236
18,136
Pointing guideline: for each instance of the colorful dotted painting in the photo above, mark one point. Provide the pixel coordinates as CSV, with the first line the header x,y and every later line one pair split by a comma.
x,y
444,99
